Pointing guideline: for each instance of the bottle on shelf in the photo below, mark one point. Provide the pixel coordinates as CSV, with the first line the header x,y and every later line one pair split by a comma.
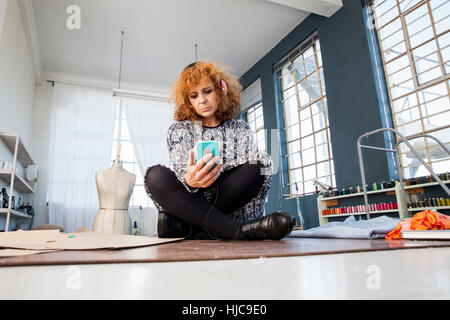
x,y
135,229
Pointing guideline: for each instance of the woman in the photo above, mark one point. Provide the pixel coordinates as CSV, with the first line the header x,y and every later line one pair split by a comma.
x,y
214,196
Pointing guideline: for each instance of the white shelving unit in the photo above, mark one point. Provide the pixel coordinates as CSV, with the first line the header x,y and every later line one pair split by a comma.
x,y
322,201
20,155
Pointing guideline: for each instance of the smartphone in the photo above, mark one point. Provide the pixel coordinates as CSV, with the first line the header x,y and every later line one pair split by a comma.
x,y
211,145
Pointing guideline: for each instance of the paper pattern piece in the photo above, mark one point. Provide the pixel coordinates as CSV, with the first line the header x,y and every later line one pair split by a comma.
x,y
55,240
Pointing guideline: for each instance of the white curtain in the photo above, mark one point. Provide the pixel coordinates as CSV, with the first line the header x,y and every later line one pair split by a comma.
x,y
81,142
148,121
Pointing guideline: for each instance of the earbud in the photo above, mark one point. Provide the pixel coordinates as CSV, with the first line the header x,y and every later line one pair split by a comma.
x,y
224,87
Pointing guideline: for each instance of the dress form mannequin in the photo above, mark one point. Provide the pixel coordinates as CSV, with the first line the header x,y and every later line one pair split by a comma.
x,y
114,187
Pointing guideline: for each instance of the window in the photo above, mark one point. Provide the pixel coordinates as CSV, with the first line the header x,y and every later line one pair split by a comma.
x,y
255,119
304,100
122,135
414,41
252,111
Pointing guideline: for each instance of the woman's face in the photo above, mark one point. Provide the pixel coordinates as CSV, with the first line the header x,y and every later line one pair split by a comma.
x,y
203,97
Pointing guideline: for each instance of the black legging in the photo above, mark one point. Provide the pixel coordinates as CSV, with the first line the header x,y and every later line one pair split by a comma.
x,y
236,187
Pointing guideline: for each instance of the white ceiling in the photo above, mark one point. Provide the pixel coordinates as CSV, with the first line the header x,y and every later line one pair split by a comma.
x,y
160,36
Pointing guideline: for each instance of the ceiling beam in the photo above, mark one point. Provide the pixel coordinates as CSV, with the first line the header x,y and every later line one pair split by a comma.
x,y
321,7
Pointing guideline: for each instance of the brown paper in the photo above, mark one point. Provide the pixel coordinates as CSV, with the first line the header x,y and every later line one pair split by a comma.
x,y
86,240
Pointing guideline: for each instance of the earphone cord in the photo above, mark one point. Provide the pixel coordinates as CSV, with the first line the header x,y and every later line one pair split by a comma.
x,y
210,209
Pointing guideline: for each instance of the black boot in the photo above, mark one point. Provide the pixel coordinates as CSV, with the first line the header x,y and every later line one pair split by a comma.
x,y
170,226
272,227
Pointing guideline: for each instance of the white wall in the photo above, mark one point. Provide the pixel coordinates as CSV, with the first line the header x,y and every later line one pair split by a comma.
x,y
40,146
17,80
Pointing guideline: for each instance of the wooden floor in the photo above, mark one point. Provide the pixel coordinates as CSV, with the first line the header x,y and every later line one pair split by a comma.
x,y
293,268
198,250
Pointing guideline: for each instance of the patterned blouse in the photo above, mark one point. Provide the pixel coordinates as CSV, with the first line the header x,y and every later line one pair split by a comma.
x,y
238,147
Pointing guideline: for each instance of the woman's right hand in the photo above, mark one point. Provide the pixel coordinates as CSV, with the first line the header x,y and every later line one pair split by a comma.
x,y
198,174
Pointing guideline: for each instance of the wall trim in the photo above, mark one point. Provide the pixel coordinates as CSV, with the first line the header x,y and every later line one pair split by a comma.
x,y
29,26
3,6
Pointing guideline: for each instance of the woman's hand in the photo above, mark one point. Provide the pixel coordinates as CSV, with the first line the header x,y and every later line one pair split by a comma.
x,y
198,174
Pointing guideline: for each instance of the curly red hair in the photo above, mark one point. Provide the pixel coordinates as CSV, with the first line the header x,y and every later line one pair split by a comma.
x,y
193,74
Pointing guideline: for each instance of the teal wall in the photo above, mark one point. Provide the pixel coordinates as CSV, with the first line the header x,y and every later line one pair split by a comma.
x,y
353,103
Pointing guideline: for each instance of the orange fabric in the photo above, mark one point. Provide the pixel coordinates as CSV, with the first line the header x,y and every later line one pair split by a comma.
x,y
424,220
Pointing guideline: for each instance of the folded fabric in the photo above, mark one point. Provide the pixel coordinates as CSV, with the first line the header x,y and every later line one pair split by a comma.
x,y
351,229
424,220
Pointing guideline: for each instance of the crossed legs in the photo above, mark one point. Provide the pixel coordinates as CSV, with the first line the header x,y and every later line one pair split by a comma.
x,y
236,187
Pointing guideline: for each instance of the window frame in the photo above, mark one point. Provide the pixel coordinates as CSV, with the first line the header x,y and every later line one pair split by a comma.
x,y
259,129
418,87
311,42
